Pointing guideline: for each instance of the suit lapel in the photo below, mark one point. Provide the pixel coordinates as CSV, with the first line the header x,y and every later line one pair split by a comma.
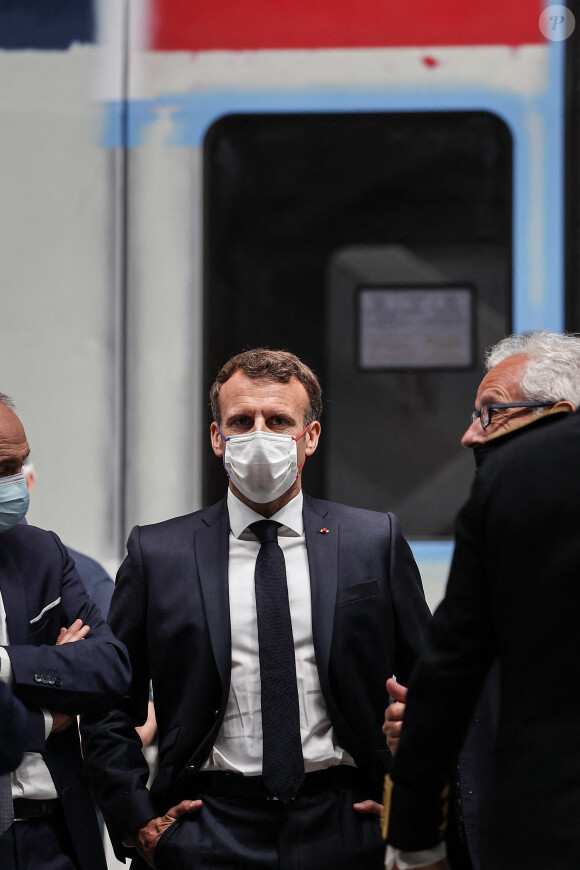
x,y
14,598
212,552
322,548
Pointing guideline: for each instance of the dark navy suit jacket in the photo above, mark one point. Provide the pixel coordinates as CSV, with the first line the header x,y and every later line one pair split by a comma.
x,y
12,725
42,592
171,609
95,579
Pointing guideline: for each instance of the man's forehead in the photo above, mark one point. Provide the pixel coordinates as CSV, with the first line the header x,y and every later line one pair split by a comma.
x,y
241,390
503,382
12,435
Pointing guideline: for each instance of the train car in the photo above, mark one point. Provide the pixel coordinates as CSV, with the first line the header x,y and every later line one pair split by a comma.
x,y
385,189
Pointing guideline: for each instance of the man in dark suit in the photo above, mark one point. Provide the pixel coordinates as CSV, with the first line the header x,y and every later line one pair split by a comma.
x,y
532,381
281,767
513,593
57,672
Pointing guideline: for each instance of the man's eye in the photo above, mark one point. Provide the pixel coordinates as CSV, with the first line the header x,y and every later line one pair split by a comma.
x,y
496,412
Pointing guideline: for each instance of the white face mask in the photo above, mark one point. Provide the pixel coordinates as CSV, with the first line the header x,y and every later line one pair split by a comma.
x,y
262,465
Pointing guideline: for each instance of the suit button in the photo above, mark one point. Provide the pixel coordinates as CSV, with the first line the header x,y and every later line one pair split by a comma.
x,y
216,713
37,678
51,681
44,679
58,681
192,768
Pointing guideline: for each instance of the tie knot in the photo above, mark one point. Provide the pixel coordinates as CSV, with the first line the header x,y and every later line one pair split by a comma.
x,y
266,531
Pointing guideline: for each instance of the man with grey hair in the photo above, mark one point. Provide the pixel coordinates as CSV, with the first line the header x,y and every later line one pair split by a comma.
x,y
525,374
512,594
528,377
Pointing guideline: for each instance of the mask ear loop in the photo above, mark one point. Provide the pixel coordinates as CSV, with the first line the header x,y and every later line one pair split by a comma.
x,y
297,438
225,438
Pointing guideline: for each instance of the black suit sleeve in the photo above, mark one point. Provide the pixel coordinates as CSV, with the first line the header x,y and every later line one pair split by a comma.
x,y
409,606
112,748
443,692
13,719
74,677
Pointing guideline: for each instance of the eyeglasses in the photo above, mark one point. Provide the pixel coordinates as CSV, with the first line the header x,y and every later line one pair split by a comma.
x,y
485,413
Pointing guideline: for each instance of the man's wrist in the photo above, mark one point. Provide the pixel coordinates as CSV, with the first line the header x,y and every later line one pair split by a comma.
x,y
132,839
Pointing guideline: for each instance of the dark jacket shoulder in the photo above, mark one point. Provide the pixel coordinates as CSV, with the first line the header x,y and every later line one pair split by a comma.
x,y
187,522
339,510
32,542
541,442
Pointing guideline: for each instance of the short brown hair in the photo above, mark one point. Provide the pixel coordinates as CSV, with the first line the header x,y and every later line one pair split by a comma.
x,y
270,365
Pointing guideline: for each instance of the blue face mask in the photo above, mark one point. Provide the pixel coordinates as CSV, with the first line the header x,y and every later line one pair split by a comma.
x,y
14,499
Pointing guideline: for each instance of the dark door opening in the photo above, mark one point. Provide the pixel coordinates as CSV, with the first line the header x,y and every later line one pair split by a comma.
x,y
285,195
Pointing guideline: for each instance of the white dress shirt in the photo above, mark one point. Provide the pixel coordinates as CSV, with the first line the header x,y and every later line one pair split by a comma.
x,y
414,860
32,778
238,746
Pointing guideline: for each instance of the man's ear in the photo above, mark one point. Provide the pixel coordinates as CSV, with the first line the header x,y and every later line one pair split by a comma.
x,y
217,442
564,405
311,438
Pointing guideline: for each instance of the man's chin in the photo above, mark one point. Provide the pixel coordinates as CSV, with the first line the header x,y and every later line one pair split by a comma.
x,y
269,508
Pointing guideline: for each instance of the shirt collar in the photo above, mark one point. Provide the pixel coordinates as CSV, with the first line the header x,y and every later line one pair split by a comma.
x,y
290,517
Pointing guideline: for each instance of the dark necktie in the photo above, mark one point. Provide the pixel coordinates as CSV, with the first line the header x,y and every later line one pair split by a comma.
x,y
6,805
283,764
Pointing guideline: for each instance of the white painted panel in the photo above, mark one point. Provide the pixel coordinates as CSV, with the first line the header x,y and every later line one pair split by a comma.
x,y
164,329
58,276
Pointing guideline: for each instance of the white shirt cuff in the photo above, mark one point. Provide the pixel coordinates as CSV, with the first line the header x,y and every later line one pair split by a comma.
x,y
5,667
410,860
47,722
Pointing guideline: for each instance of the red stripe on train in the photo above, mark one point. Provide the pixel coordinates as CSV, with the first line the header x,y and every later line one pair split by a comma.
x,y
202,25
